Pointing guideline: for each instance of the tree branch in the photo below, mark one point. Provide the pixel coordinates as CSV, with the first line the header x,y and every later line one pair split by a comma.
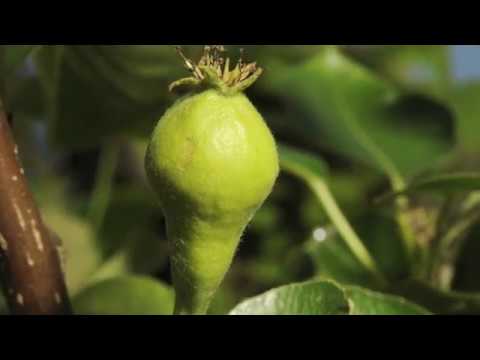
x,y
31,269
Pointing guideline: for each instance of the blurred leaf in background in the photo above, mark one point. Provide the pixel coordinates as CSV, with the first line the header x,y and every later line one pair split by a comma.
x,y
99,91
11,58
466,104
350,110
78,244
125,296
420,69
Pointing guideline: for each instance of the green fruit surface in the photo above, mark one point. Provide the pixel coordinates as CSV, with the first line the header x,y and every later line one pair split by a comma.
x,y
213,162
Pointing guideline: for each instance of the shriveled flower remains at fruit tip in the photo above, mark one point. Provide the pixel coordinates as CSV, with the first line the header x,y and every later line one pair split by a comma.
x,y
213,69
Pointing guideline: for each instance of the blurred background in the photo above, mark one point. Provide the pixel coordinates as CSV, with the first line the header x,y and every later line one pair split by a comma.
x,y
371,114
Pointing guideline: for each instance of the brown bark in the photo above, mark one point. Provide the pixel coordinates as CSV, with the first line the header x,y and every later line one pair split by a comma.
x,y
31,270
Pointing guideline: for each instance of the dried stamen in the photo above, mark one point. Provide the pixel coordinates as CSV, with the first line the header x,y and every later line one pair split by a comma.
x,y
213,68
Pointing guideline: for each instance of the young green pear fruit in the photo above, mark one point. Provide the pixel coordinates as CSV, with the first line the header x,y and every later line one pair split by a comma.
x,y
213,162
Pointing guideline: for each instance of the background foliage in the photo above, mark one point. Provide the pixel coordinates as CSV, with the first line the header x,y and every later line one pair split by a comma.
x,y
376,211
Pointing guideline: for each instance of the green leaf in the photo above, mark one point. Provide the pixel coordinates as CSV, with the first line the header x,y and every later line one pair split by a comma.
x,y
326,298
366,302
125,296
287,54
49,63
11,57
466,105
444,184
128,237
81,255
313,298
424,69
438,301
106,90
24,100
133,70
350,110
15,55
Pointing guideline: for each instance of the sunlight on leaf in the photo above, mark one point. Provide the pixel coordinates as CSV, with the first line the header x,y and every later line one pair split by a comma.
x,y
326,298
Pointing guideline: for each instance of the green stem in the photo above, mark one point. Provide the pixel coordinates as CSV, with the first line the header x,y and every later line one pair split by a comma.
x,y
345,229
408,234
100,198
398,184
397,181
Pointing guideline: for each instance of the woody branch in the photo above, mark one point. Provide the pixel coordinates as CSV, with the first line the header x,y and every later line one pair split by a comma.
x,y
32,277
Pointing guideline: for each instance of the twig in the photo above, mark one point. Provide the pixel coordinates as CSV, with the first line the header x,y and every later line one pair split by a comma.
x,y
31,270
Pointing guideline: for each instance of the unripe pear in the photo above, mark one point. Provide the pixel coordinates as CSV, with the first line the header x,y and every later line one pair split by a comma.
x,y
213,162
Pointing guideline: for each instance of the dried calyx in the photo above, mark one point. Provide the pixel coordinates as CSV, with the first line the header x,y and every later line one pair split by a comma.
x,y
213,70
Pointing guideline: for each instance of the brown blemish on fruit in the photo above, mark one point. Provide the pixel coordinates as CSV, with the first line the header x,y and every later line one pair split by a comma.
x,y
187,156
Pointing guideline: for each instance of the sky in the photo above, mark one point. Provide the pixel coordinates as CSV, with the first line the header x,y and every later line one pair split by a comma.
x,y
466,61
